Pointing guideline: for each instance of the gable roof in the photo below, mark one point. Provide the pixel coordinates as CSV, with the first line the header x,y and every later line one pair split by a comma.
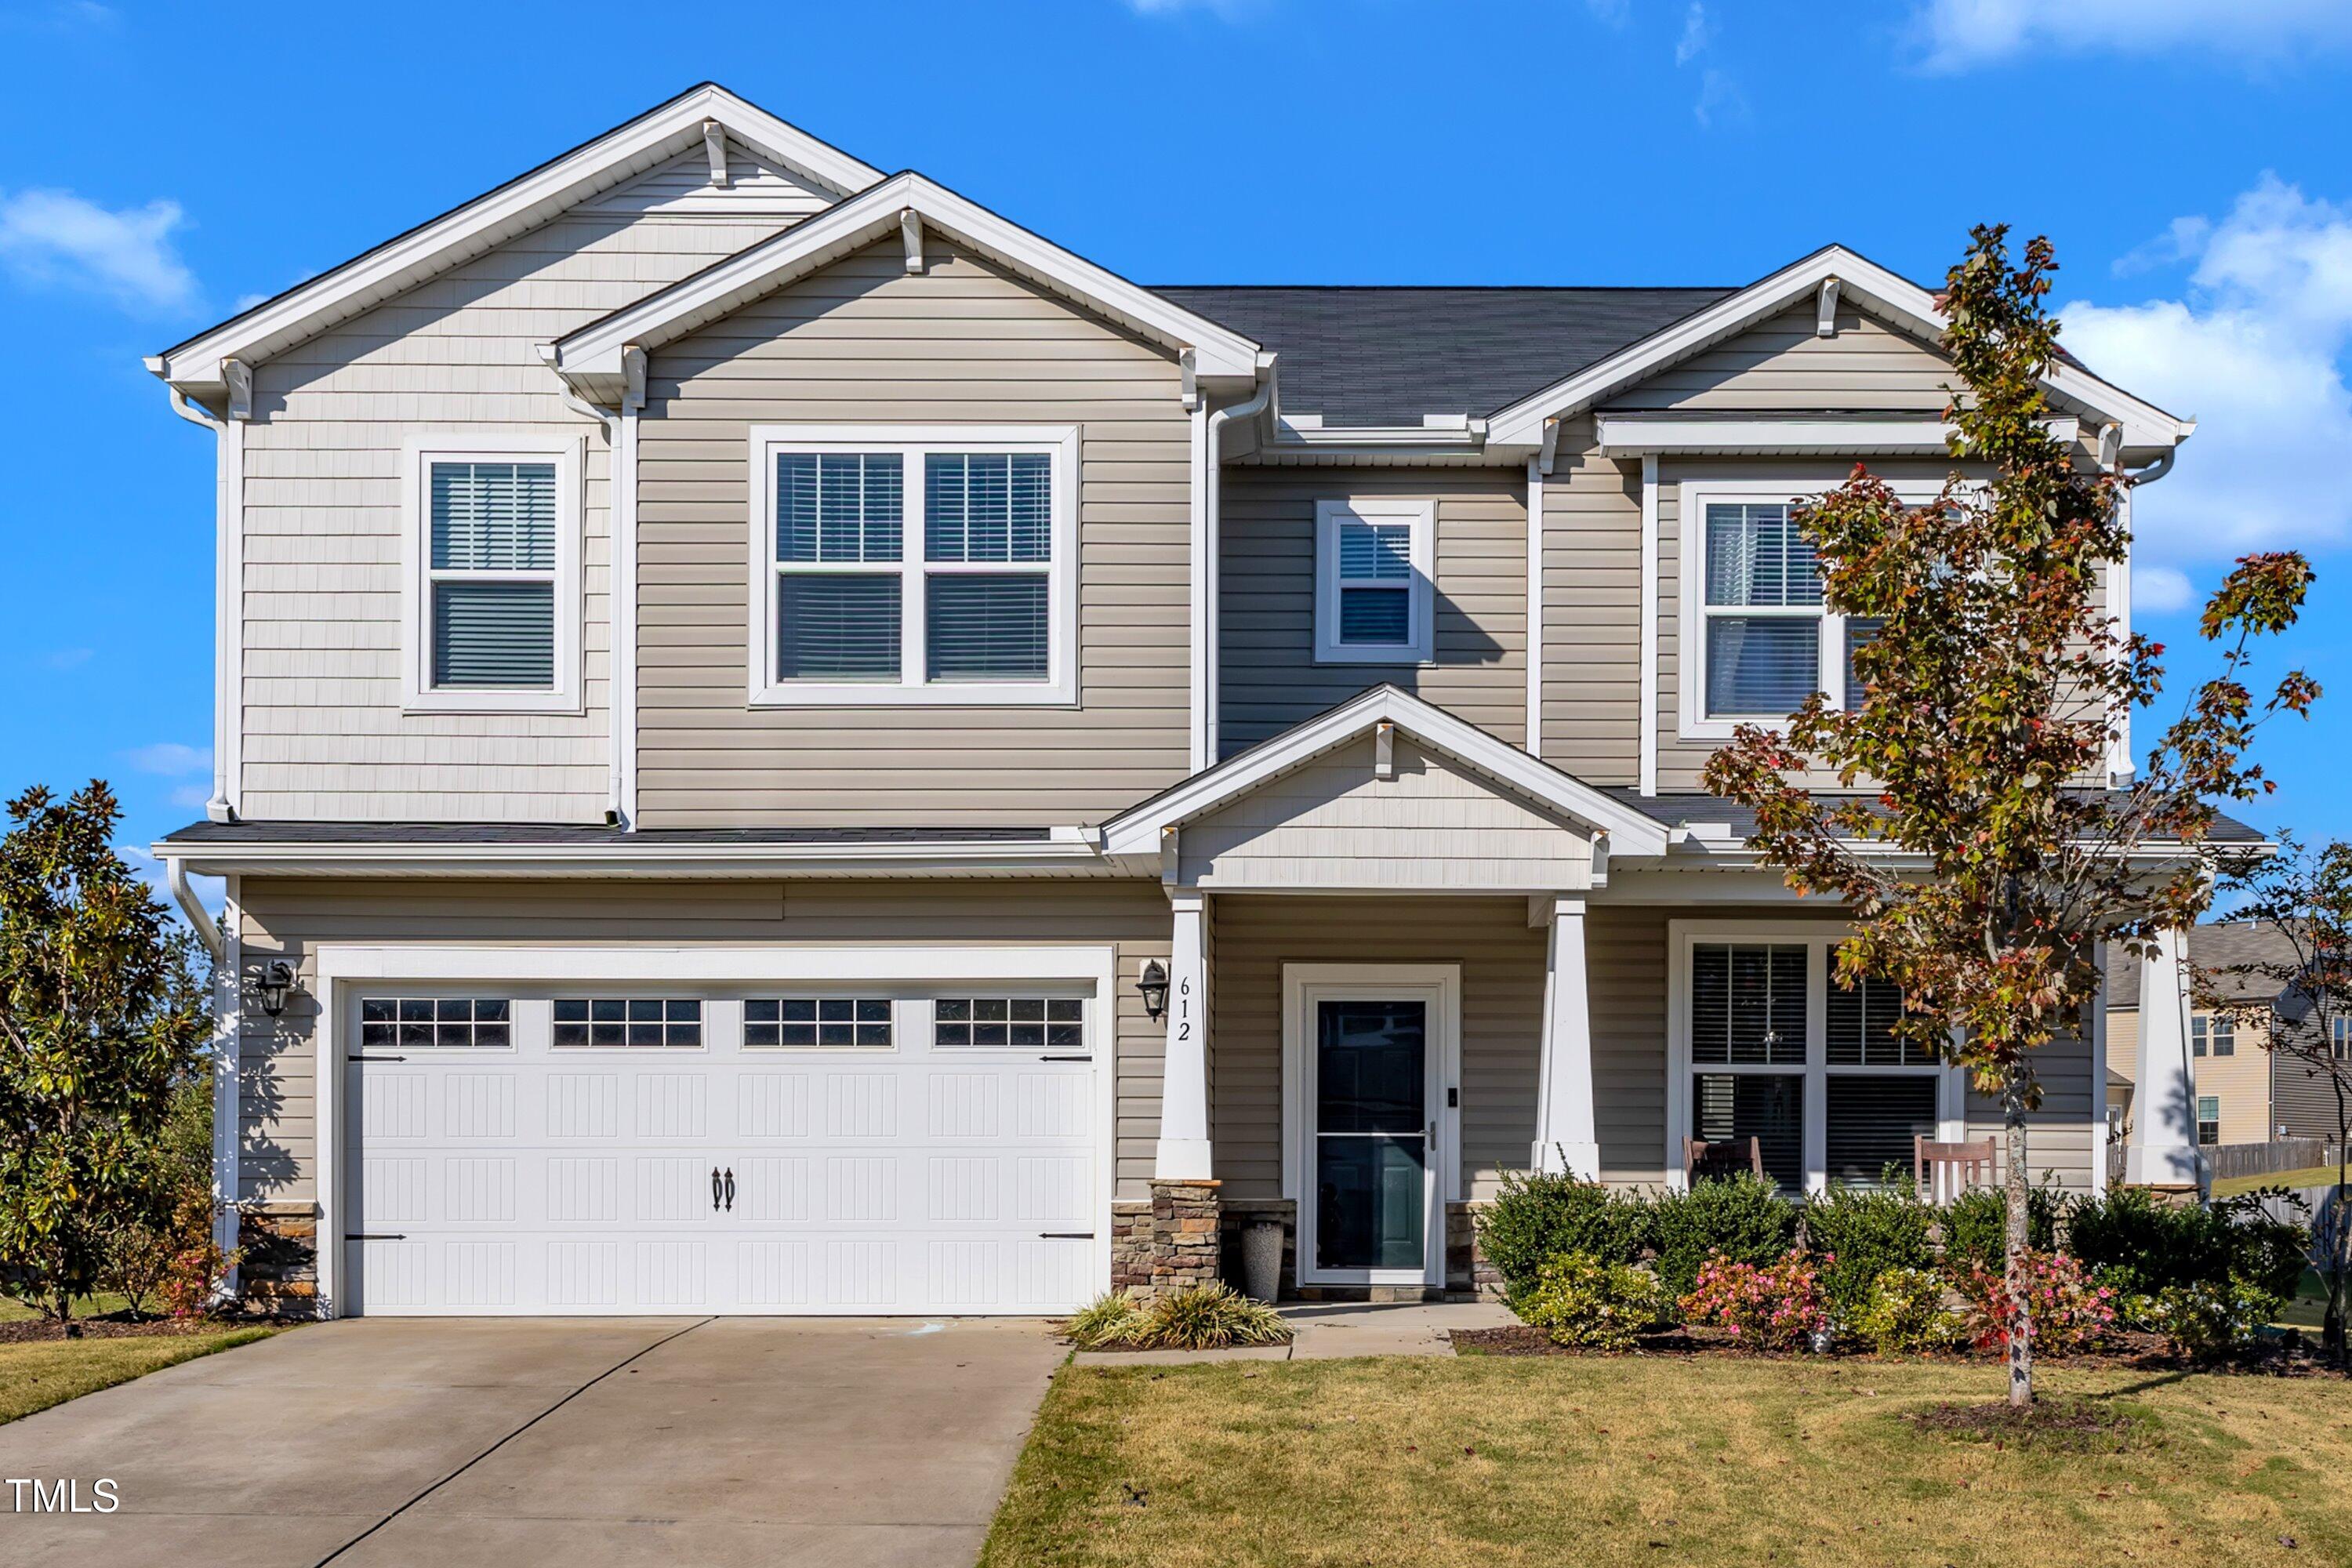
x,y
1137,832
1383,357
490,219
1885,294
590,358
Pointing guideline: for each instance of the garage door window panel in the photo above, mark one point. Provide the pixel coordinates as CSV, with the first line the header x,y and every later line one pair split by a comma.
x,y
436,1023
1008,1023
819,1024
641,1023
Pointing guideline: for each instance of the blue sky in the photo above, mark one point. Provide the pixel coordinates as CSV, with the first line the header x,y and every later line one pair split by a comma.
x,y
159,165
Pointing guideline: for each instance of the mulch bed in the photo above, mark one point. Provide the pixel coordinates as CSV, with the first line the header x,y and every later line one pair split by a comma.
x,y
2049,1422
2133,1353
113,1326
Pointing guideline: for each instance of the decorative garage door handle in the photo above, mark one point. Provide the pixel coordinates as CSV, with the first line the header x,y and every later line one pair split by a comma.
x,y
714,1189
730,1188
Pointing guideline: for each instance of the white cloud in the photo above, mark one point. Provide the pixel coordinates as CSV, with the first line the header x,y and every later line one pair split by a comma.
x,y
171,759
1615,13
190,797
1958,33
1719,99
2254,348
1227,9
2159,590
56,237
1697,34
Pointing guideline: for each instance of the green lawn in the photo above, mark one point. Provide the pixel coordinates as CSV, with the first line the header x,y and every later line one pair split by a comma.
x,y
36,1374
1491,1461
2309,1177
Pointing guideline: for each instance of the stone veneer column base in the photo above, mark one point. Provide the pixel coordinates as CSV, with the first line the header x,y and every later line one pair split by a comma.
x,y
1168,1244
278,1272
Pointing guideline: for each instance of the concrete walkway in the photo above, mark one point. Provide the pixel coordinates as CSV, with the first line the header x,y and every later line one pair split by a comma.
x,y
1326,1330
457,1443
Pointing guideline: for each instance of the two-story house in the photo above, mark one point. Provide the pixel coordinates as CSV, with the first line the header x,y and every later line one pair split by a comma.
x,y
788,744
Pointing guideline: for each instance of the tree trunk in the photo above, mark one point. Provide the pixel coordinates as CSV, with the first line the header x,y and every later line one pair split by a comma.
x,y
2020,1312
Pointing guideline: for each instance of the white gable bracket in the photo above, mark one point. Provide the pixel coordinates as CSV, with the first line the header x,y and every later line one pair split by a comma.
x,y
911,234
1825,317
714,142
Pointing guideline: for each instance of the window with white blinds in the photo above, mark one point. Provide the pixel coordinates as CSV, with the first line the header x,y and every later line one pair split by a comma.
x,y
930,565
1373,596
1768,1046
493,623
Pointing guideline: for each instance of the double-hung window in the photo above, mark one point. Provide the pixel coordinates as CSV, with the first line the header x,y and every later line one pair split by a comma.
x,y
904,565
1373,598
492,546
1767,1044
2209,1119
2213,1034
1757,639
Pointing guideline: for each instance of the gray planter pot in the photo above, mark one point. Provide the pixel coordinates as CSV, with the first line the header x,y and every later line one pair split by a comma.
x,y
1262,1259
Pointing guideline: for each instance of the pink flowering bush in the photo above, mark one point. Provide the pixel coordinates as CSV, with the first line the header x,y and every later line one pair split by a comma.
x,y
2070,1311
1771,1306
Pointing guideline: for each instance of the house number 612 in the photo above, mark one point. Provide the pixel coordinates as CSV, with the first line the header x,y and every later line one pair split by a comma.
x,y
1184,1008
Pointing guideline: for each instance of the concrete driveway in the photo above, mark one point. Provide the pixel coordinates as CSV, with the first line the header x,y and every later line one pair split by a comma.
x,y
584,1442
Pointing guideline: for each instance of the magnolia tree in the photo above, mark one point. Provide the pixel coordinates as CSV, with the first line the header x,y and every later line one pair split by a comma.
x,y
2303,900
1968,831
103,1012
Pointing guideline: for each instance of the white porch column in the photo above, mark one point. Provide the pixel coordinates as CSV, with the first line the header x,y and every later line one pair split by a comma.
x,y
2163,1151
1566,1138
1183,1151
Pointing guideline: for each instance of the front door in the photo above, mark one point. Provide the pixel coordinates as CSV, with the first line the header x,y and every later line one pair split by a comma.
x,y
1372,1136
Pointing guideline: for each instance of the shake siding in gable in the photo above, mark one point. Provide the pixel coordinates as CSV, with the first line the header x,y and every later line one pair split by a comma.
x,y
963,342
1268,673
324,736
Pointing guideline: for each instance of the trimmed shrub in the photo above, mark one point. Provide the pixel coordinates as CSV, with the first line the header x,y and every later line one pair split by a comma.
x,y
2145,1247
1540,1216
1904,1314
1742,1218
1976,1227
1773,1306
1207,1317
2211,1319
1107,1319
1862,1234
2070,1312
1580,1300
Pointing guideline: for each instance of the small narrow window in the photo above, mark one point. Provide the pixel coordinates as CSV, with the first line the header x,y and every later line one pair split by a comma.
x,y
818,1024
644,1022
1373,598
494,621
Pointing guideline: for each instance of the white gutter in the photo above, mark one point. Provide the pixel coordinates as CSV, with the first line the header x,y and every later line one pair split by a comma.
x,y
1204,592
208,929
1073,853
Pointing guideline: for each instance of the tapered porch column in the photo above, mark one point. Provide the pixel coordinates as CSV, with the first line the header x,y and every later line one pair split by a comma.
x,y
1565,1139
2163,1148
1183,1151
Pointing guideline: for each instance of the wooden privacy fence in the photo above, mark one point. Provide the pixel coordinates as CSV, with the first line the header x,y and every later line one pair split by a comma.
x,y
2281,1154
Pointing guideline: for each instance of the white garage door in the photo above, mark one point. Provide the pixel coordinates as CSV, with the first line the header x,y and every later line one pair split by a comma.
x,y
603,1152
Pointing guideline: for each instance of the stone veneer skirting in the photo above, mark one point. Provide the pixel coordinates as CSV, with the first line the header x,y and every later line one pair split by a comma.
x,y
1167,1244
278,1271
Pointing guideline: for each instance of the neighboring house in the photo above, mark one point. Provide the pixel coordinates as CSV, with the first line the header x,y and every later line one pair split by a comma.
x,y
2246,1092
787,744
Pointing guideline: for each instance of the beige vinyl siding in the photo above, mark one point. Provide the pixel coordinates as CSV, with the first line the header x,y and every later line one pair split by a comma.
x,y
324,733
1593,612
1268,676
2066,1132
864,341
1435,825
289,918
755,185
2241,1080
1501,961
1625,986
1782,363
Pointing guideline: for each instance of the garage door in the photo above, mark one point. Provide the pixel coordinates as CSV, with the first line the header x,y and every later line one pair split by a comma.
x,y
598,1152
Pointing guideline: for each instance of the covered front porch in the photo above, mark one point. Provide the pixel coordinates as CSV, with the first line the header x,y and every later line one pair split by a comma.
x,y
1406,960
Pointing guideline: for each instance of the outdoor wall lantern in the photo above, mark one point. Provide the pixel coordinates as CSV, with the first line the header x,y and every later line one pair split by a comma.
x,y
1153,987
277,980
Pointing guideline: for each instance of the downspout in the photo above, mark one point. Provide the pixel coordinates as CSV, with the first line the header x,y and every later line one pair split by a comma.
x,y
2120,767
220,806
621,596
1212,524
200,919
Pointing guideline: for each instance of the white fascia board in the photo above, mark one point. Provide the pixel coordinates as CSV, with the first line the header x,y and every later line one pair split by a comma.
x,y
1631,832
593,354
1648,435
1892,298
1066,854
492,218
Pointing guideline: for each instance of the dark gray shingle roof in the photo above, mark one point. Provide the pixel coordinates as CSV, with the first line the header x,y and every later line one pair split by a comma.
x,y
1362,356
2214,946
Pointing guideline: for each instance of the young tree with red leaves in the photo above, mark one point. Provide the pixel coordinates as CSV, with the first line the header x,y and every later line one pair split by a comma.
x,y
1972,835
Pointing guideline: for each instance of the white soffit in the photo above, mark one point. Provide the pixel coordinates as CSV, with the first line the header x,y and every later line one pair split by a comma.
x,y
1647,435
1884,294
591,357
491,219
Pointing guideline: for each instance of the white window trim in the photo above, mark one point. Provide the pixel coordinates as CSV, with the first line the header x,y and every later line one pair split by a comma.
x,y
569,454
1692,722
1817,937
1438,985
912,442
1423,614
